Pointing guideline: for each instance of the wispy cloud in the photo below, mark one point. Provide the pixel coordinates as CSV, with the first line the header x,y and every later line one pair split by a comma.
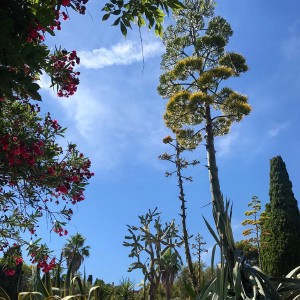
x,y
107,122
225,143
123,53
276,129
108,132
290,47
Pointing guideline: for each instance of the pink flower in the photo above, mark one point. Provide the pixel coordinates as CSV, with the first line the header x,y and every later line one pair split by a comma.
x,y
75,178
9,272
65,2
19,260
63,189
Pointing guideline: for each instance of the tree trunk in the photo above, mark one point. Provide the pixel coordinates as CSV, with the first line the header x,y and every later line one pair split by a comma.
x,y
168,292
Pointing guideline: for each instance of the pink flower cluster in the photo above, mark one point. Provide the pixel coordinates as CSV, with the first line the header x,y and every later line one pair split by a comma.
x,y
45,266
43,263
11,272
18,153
80,6
62,72
36,33
60,231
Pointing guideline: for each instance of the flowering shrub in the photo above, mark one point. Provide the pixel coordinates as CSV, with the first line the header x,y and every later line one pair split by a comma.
x,y
11,260
35,172
62,72
37,177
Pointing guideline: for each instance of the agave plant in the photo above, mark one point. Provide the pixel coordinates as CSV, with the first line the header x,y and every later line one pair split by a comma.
x,y
43,289
248,282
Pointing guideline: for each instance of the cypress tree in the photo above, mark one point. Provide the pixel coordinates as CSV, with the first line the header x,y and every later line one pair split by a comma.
x,y
280,239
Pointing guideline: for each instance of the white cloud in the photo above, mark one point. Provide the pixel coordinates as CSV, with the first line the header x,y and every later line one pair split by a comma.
x,y
111,134
275,131
109,123
225,143
290,47
44,82
123,53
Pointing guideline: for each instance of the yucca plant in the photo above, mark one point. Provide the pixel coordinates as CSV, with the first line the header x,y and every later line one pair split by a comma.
x,y
126,289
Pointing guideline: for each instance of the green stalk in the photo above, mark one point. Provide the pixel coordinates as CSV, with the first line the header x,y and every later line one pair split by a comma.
x,y
227,247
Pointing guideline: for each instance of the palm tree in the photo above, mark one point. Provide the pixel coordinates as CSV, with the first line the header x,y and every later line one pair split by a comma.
x,y
75,252
170,266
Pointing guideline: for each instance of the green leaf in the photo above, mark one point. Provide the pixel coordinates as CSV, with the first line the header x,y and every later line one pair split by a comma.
x,y
30,296
190,291
105,17
116,12
213,257
212,232
117,21
123,29
126,22
141,22
208,289
3,294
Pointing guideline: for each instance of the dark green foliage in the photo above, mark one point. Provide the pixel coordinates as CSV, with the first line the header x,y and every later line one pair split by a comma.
x,y
90,279
10,283
140,12
250,251
149,243
75,252
183,285
280,240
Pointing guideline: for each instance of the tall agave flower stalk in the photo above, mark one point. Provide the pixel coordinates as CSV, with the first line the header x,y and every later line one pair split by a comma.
x,y
221,218
196,66
180,164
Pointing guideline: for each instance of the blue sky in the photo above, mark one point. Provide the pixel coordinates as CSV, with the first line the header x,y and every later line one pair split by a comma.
x,y
115,118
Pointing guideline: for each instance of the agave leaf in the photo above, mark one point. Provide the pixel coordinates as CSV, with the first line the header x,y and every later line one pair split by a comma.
x,y
3,294
285,280
67,285
78,280
238,286
212,232
222,281
74,297
48,284
295,287
294,273
30,296
38,285
96,290
296,298
229,235
190,290
209,288
213,258
266,287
